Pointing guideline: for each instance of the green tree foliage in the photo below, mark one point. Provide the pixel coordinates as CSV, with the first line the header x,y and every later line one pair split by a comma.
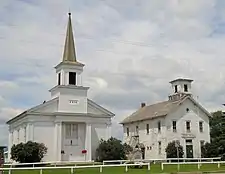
x,y
171,150
29,152
112,149
216,148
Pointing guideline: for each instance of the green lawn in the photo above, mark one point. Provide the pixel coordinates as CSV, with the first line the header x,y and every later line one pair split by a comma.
x,y
155,168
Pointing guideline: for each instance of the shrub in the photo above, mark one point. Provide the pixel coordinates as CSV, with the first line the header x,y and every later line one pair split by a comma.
x,y
171,150
112,149
29,152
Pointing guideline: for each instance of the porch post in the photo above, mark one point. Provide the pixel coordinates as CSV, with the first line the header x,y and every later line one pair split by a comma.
x,y
88,142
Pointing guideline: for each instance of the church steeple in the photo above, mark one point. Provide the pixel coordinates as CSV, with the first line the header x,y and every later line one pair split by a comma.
x,y
69,88
69,54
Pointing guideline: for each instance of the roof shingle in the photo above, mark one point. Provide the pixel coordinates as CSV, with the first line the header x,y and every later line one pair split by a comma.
x,y
152,111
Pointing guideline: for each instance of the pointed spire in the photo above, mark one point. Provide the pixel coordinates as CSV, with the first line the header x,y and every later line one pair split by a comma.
x,y
69,54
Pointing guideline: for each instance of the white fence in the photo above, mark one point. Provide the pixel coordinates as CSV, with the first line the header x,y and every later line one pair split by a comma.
x,y
72,168
199,163
55,163
162,160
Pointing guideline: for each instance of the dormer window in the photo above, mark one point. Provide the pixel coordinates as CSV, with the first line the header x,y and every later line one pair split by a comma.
x,y
185,88
175,89
72,78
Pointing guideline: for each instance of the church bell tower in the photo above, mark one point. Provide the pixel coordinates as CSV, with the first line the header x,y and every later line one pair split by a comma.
x,y
72,94
181,87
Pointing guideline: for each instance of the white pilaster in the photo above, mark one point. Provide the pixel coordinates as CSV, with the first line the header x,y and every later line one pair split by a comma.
x,y
10,141
88,142
58,140
30,132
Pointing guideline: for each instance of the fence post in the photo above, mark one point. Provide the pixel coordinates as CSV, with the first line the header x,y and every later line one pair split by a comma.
x,y
40,171
218,165
100,169
126,169
198,166
71,170
148,166
9,171
162,166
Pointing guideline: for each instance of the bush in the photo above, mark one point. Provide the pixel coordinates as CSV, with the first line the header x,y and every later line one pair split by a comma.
x,y
29,152
112,149
171,150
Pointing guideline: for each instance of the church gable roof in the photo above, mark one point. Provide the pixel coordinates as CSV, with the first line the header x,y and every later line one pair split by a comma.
x,y
50,105
94,108
159,109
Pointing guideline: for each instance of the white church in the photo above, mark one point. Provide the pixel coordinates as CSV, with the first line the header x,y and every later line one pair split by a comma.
x,y
181,118
69,123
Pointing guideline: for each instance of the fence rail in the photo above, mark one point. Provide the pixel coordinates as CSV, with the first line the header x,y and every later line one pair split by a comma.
x,y
162,160
48,162
199,163
72,168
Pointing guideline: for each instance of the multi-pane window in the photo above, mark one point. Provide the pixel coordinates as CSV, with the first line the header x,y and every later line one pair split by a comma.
x,y
188,126
159,126
128,131
147,128
71,131
185,88
160,147
201,126
174,126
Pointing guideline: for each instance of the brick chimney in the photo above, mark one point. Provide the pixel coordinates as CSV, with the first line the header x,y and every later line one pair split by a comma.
x,y
143,105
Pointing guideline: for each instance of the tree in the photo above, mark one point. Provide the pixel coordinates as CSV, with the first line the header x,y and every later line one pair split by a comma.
x,y
216,147
29,152
171,150
112,149
209,150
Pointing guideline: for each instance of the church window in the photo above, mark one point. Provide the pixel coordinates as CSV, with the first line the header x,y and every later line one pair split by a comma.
x,y
59,78
185,88
200,126
72,78
128,131
71,131
175,89
159,126
147,128
174,126
160,147
188,126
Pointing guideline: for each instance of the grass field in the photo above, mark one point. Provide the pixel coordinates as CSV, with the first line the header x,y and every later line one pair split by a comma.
x,y
155,168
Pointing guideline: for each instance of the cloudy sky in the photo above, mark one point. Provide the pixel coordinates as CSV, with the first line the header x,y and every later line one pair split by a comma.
x,y
131,49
